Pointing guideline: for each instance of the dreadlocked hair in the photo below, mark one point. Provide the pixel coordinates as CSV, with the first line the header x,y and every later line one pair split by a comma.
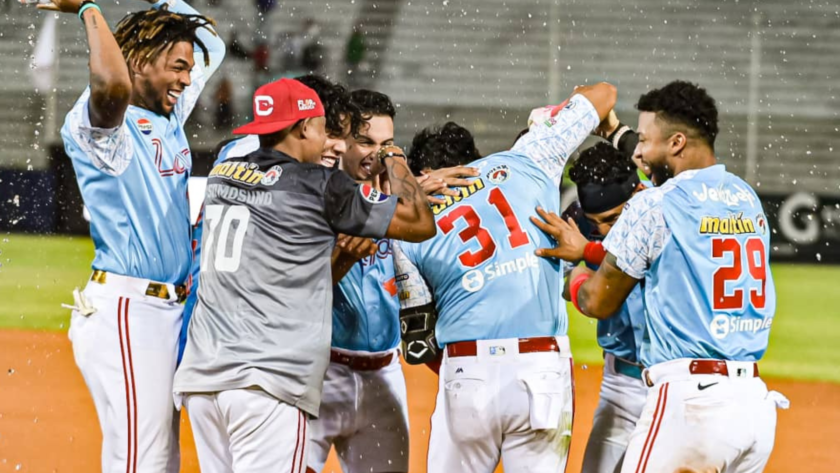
x,y
145,34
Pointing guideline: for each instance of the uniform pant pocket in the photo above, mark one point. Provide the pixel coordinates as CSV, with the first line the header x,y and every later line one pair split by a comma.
x,y
547,399
466,409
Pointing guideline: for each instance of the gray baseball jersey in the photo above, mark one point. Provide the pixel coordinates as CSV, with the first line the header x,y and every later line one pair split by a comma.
x,y
263,318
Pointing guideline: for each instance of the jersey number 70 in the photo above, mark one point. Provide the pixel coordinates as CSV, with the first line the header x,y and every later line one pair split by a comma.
x,y
517,237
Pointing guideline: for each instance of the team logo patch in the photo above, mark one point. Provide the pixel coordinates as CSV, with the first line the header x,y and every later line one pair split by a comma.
x,y
499,174
145,126
307,104
271,176
761,224
372,195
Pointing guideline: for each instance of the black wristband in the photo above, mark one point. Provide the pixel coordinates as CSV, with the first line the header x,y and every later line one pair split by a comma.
x,y
390,154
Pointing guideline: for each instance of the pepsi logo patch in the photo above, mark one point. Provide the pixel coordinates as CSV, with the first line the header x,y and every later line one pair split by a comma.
x,y
372,195
145,126
498,174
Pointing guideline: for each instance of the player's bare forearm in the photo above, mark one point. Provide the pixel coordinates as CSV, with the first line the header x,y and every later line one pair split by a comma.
x,y
413,220
110,83
602,96
605,291
341,265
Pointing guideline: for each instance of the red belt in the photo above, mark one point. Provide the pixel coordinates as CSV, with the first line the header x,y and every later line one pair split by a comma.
x,y
362,363
526,345
715,367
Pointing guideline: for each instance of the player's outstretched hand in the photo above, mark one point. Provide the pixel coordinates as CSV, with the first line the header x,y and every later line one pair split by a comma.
x,y
64,6
441,182
570,241
356,247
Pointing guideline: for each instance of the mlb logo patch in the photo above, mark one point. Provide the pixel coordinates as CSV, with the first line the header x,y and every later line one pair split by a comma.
x,y
372,195
145,126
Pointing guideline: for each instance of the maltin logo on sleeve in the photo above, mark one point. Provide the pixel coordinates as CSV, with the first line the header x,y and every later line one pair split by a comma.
x,y
145,126
372,195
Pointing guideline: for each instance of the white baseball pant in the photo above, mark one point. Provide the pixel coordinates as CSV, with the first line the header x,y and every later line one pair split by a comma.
x,y
623,396
503,404
365,415
126,350
704,422
247,431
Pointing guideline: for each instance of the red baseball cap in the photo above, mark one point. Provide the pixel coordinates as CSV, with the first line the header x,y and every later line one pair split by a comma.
x,y
281,104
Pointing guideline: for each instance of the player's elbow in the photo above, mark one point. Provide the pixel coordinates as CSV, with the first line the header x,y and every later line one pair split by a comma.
x,y
420,231
600,310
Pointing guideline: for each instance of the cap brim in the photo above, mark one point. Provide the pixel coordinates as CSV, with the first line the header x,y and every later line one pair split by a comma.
x,y
264,128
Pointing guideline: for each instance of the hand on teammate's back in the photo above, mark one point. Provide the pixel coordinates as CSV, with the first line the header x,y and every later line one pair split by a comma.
x,y
441,182
570,241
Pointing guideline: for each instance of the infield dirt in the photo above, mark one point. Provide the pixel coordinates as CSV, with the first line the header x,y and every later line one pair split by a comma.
x,y
48,423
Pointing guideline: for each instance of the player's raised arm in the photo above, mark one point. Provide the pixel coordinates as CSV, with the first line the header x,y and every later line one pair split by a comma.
x,y
110,83
413,219
558,131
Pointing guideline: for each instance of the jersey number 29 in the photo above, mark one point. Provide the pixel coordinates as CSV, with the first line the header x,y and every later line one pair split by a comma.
x,y
212,215
517,237
755,252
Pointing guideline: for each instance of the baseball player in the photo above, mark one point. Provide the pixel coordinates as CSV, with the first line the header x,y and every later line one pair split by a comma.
x,y
606,179
505,389
342,119
699,243
125,137
258,342
364,411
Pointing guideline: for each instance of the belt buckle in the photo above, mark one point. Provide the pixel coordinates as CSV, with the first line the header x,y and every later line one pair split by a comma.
x,y
98,276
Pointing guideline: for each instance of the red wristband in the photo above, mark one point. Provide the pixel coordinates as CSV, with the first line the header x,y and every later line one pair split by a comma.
x,y
594,253
575,287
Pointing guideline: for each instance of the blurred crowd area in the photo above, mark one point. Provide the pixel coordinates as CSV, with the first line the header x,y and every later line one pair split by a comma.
x,y
772,65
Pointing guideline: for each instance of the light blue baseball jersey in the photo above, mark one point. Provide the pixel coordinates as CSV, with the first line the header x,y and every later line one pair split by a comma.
x,y
133,178
701,244
365,306
621,334
480,268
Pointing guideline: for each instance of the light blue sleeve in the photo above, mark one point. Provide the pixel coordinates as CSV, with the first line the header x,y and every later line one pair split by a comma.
x,y
200,73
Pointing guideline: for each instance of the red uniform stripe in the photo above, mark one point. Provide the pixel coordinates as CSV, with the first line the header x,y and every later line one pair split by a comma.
x,y
133,385
650,431
125,379
303,443
297,444
572,426
659,424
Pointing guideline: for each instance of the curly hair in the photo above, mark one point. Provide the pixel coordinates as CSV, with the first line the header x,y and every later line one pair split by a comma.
x,y
683,103
144,35
441,147
338,105
601,165
372,103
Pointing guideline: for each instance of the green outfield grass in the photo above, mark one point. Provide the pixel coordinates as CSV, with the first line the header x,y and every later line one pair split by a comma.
x,y
38,273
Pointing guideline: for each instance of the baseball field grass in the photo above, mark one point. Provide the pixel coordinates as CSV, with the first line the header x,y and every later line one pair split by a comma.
x,y
38,273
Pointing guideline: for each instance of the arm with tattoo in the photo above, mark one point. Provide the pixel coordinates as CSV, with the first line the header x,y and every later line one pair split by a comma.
x,y
413,219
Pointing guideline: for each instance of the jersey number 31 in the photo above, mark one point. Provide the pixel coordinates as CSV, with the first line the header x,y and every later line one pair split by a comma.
x,y
517,237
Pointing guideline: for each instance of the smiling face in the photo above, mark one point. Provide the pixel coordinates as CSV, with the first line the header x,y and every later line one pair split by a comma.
x,y
335,145
655,147
360,161
158,84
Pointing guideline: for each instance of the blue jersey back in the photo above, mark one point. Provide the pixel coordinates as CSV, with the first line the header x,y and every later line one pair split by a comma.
x,y
365,305
710,294
487,282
